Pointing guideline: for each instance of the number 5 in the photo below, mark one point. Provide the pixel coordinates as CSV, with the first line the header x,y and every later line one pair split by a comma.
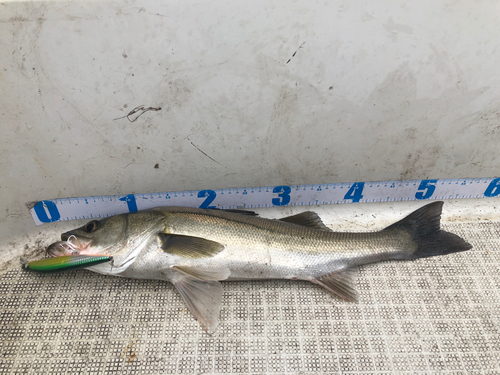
x,y
427,187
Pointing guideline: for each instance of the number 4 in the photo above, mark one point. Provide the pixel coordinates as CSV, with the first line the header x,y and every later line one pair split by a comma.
x,y
355,192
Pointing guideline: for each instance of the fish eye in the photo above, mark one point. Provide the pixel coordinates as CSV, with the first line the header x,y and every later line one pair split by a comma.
x,y
91,226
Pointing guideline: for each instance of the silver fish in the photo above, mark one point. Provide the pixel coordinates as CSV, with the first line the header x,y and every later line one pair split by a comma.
x,y
196,248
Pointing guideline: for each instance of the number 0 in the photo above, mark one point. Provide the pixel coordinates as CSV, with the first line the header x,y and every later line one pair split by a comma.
x,y
45,208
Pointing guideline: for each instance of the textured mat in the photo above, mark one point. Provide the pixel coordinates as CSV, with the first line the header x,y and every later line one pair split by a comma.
x,y
437,315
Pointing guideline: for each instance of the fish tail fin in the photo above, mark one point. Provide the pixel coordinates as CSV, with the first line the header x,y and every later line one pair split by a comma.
x,y
423,225
427,240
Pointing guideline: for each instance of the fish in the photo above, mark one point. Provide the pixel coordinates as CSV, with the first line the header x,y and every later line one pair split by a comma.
x,y
195,249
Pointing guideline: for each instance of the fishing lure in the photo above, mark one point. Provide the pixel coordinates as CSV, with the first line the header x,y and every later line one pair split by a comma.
x,y
65,263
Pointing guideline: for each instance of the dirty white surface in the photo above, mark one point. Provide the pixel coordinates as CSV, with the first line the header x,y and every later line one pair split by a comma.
x,y
429,316
251,94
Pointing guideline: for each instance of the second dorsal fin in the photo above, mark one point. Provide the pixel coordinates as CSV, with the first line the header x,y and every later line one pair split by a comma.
x,y
307,219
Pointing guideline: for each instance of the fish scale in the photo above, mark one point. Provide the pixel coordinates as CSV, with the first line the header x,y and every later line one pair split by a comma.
x,y
272,249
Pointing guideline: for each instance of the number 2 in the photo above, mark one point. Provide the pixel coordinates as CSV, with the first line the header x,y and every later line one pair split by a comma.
x,y
210,194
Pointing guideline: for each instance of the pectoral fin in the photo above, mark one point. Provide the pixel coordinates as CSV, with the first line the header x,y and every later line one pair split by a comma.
x,y
340,283
307,219
202,297
188,246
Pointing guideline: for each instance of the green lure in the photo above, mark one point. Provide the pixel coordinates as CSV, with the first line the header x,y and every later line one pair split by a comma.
x,y
66,263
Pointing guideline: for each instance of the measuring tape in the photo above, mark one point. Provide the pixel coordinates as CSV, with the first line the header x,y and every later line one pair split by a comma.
x,y
49,211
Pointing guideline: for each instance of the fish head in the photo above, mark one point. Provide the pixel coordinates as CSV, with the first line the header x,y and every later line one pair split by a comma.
x,y
107,236
121,236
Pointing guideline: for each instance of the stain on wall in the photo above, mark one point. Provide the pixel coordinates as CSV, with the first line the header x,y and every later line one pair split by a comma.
x,y
260,94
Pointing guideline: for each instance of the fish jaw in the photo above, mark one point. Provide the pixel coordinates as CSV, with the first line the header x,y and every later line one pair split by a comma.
x,y
70,245
79,247
73,245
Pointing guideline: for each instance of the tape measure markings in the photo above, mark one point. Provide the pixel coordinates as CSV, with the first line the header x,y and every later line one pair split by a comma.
x,y
260,197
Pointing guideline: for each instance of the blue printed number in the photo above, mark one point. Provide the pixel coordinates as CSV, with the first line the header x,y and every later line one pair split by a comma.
x,y
283,194
426,189
355,192
210,194
47,211
493,188
131,203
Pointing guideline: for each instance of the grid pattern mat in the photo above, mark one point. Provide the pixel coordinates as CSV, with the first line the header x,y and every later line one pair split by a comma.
x,y
436,315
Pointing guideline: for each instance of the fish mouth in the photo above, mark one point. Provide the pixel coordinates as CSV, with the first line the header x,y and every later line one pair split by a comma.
x,y
70,245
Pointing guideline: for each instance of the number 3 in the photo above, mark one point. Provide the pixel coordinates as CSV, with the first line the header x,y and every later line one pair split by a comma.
x,y
283,194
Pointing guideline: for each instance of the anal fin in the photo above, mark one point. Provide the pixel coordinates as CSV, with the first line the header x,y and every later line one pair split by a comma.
x,y
340,283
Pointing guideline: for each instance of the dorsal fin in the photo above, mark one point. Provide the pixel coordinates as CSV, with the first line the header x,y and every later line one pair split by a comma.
x,y
238,211
307,219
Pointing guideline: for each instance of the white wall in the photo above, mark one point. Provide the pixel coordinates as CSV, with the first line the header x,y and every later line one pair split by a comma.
x,y
252,93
